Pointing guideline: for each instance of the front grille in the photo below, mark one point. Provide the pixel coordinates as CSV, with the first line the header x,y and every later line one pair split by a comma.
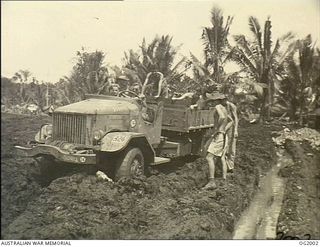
x,y
69,127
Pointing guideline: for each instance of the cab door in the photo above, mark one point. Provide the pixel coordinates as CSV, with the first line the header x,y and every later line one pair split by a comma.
x,y
150,121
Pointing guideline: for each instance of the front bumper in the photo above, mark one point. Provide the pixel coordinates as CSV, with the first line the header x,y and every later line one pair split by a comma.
x,y
59,154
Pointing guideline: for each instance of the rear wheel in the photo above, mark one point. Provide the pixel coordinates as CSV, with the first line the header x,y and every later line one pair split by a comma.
x,y
131,164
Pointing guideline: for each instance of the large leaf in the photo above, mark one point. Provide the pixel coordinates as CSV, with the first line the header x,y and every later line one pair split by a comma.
x,y
256,30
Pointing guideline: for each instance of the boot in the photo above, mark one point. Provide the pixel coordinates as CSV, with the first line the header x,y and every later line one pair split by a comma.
x,y
211,185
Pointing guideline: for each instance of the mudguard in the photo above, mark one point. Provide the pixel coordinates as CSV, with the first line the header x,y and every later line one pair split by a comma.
x,y
117,141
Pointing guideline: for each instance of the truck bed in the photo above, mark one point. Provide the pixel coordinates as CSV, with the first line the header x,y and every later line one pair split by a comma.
x,y
177,116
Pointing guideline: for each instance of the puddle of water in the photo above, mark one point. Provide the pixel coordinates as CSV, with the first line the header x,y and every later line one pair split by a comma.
x,y
259,220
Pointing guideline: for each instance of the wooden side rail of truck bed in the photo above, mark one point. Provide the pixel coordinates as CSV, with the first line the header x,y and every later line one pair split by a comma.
x,y
178,116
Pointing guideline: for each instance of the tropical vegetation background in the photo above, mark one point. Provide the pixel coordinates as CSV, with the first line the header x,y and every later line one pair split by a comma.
x,y
275,78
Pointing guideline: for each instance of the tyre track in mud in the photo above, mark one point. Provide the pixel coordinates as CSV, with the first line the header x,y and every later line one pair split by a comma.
x,y
169,205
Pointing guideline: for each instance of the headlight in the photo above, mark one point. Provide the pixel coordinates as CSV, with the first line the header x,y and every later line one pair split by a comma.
x,y
46,130
44,133
97,134
49,130
133,123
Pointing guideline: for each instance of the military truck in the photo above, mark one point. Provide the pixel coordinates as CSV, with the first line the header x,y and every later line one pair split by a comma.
x,y
122,135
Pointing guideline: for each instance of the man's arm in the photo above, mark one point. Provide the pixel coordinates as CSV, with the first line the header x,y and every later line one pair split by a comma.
x,y
184,96
228,126
236,119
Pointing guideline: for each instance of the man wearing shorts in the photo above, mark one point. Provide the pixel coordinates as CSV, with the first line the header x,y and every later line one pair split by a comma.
x,y
218,146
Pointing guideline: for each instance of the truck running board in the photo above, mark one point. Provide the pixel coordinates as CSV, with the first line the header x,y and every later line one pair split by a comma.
x,y
160,160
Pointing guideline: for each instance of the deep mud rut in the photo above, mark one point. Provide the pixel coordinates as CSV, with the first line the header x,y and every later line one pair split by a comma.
x,y
259,220
169,205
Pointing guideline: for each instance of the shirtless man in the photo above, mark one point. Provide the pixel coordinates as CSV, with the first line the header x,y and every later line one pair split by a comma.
x,y
217,148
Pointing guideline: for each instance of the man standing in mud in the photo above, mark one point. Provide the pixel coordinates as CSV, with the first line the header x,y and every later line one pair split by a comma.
x,y
217,148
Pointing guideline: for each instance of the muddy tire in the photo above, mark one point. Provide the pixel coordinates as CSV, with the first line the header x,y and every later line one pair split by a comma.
x,y
131,164
48,170
106,163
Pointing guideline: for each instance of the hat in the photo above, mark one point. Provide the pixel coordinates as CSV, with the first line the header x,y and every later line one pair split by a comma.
x,y
215,96
123,77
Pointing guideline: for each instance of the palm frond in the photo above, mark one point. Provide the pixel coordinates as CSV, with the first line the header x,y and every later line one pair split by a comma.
x,y
240,57
215,41
245,46
256,30
287,37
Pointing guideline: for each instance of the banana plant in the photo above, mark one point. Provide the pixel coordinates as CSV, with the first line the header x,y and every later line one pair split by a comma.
x,y
262,61
300,86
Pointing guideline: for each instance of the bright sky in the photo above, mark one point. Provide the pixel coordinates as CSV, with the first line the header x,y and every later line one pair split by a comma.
x,y
43,37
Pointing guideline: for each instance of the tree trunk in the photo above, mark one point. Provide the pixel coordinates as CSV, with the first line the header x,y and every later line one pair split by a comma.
x,y
217,72
293,109
301,109
269,101
264,103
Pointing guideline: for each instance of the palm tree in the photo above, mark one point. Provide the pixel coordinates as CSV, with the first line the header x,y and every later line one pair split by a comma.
x,y
89,76
159,56
260,61
22,77
302,76
201,76
217,52
216,46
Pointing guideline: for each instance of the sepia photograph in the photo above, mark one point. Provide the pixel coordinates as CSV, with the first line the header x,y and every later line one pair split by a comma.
x,y
160,120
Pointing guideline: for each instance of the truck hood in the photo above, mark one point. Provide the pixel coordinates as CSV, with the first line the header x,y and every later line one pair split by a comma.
x,y
99,106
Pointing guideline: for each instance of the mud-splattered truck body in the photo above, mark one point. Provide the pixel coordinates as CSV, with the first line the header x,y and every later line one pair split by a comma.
x,y
113,133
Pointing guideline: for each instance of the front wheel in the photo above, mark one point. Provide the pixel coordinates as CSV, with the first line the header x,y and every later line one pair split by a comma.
x,y
131,164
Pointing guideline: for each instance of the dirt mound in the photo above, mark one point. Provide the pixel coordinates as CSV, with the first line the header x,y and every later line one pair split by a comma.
x,y
300,214
304,134
169,205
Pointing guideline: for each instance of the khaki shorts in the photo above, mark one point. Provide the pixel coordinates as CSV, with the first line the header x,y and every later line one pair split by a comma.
x,y
217,145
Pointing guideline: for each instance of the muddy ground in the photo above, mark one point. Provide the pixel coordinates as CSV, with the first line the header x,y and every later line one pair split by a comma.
x,y
18,182
300,214
73,204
